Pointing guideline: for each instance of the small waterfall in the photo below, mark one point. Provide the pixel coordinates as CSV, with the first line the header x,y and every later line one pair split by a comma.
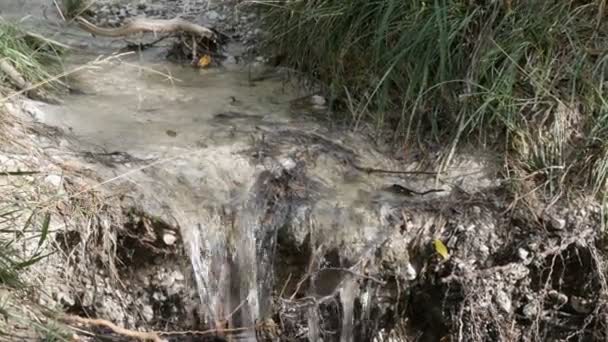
x,y
348,293
314,330
208,250
232,249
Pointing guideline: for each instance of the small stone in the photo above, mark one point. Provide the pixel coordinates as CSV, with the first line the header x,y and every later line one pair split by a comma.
x,y
503,301
288,163
148,313
54,180
169,239
555,222
559,298
212,15
318,100
523,254
178,276
159,297
558,223
530,310
410,272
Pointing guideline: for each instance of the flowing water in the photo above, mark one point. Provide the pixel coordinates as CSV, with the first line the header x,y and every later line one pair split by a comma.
x,y
213,151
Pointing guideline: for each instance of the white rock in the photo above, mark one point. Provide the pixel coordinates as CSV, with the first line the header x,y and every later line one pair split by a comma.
x,y
558,223
503,301
288,163
169,239
54,180
410,272
318,100
212,15
148,313
523,254
530,310
178,276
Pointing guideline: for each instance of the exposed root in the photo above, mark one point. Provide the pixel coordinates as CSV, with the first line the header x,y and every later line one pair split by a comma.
x,y
147,25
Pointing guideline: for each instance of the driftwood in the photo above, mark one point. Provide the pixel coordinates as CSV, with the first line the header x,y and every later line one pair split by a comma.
x,y
148,25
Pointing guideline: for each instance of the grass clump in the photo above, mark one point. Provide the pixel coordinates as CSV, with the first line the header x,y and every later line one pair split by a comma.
x,y
524,76
32,57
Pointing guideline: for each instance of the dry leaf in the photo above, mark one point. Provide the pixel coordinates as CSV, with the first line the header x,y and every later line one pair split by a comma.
x,y
204,61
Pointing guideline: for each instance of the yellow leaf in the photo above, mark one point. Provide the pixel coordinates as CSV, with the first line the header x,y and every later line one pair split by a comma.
x,y
204,61
441,249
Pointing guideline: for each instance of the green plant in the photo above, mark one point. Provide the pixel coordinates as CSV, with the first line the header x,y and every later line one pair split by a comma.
x,y
490,72
32,56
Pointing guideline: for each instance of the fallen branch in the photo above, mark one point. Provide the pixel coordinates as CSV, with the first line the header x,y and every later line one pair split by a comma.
x,y
147,25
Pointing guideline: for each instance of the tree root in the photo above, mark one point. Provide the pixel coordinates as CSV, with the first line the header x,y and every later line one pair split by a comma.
x,y
148,25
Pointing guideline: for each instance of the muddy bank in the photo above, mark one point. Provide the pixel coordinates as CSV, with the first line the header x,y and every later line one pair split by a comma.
x,y
185,200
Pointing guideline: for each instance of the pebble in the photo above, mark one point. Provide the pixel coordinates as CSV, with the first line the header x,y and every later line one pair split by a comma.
x,y
169,239
503,301
530,310
148,313
523,254
318,100
212,15
54,180
558,223
410,272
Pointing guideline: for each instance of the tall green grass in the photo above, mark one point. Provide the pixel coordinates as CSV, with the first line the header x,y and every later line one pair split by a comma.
x,y
34,57
526,77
